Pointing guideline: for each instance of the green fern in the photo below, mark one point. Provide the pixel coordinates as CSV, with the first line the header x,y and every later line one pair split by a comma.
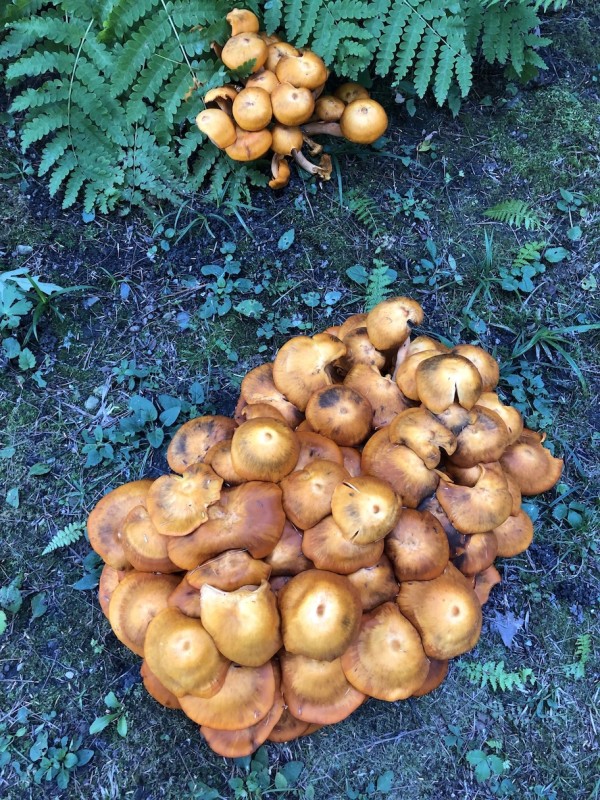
x,y
377,283
516,213
366,211
583,651
494,674
528,253
70,534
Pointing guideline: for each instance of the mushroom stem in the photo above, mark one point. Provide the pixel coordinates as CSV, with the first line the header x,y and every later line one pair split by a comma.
x,y
300,158
330,128
314,148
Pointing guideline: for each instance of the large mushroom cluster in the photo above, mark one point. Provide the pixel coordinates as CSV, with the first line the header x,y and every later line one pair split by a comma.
x,y
281,105
332,542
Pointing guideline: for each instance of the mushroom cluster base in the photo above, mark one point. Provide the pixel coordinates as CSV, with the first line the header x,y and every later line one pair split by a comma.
x,y
333,542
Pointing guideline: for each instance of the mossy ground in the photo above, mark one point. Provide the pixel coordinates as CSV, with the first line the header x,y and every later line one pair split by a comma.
x,y
142,304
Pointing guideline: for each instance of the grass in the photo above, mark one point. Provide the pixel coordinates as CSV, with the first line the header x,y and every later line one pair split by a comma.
x,y
139,331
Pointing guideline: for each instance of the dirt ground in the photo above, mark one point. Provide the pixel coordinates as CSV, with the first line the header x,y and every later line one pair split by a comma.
x,y
141,326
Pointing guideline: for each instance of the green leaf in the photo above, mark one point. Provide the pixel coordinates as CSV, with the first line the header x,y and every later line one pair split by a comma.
x,y
8,452
280,781
483,771
100,723
84,756
385,781
156,437
555,255
111,701
286,240
26,359
11,347
39,605
12,497
2,623
250,308
292,771
122,726
169,415
39,469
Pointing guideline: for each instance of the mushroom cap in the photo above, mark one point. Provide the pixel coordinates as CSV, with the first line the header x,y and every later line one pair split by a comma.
x,y
265,79
155,688
514,535
417,546
406,372
435,677
341,414
483,440
351,323
360,350
365,509
421,343
320,614
400,467
252,109
307,492
177,504
258,387
292,105
286,138
244,623
478,552
264,449
351,458
229,571
510,416
419,430
479,508
262,410
388,323
363,121
455,418
106,519
217,125
110,578
231,525
314,446
195,438
304,364
445,611
306,69
329,549
276,51
442,379
228,93
242,21
376,584
383,394
349,92
318,691
249,145
183,656
280,169
386,660
486,365
288,728
243,47
237,744
485,582
144,546
186,598
329,108
532,466
219,460
245,698
136,600
287,557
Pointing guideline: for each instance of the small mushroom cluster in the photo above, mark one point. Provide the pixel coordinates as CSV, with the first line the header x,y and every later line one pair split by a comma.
x,y
332,542
283,93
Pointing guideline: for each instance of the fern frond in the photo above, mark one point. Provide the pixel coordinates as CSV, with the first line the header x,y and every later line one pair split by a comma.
x,y
381,279
528,253
70,534
516,213
366,211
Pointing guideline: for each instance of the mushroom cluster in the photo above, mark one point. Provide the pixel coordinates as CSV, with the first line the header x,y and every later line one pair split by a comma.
x,y
332,542
281,105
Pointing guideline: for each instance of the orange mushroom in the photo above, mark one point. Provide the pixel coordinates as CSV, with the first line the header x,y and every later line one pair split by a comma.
x,y
177,504
304,364
107,517
264,449
341,414
194,439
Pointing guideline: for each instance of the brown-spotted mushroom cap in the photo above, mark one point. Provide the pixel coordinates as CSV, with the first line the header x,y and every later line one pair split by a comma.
x,y
287,557
288,728
106,519
252,109
242,48
313,445
532,466
223,96
249,145
388,323
307,492
244,623
329,108
341,414
286,139
349,92
265,79
511,416
217,125
376,584
351,458
186,598
365,509
229,571
435,677
183,656
360,350
421,343
137,599
405,373
195,438
386,660
144,546
304,364
363,121
400,467
306,69
177,504
155,688
419,430
276,51
445,379
351,323
242,21
417,546
232,525
245,698
292,105
514,535
486,365
318,691
264,450
237,744
445,611
320,614
478,553
483,440
329,549
383,394
479,508
258,387
219,460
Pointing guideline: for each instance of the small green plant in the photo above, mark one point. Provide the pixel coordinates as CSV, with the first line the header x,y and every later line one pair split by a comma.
x,y
530,261
66,536
58,761
116,716
437,271
489,765
494,675
407,205
366,211
516,213
258,781
376,787
573,203
583,650
377,282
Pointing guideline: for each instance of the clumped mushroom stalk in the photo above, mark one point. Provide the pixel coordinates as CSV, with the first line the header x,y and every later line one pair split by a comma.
x,y
335,541
286,87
